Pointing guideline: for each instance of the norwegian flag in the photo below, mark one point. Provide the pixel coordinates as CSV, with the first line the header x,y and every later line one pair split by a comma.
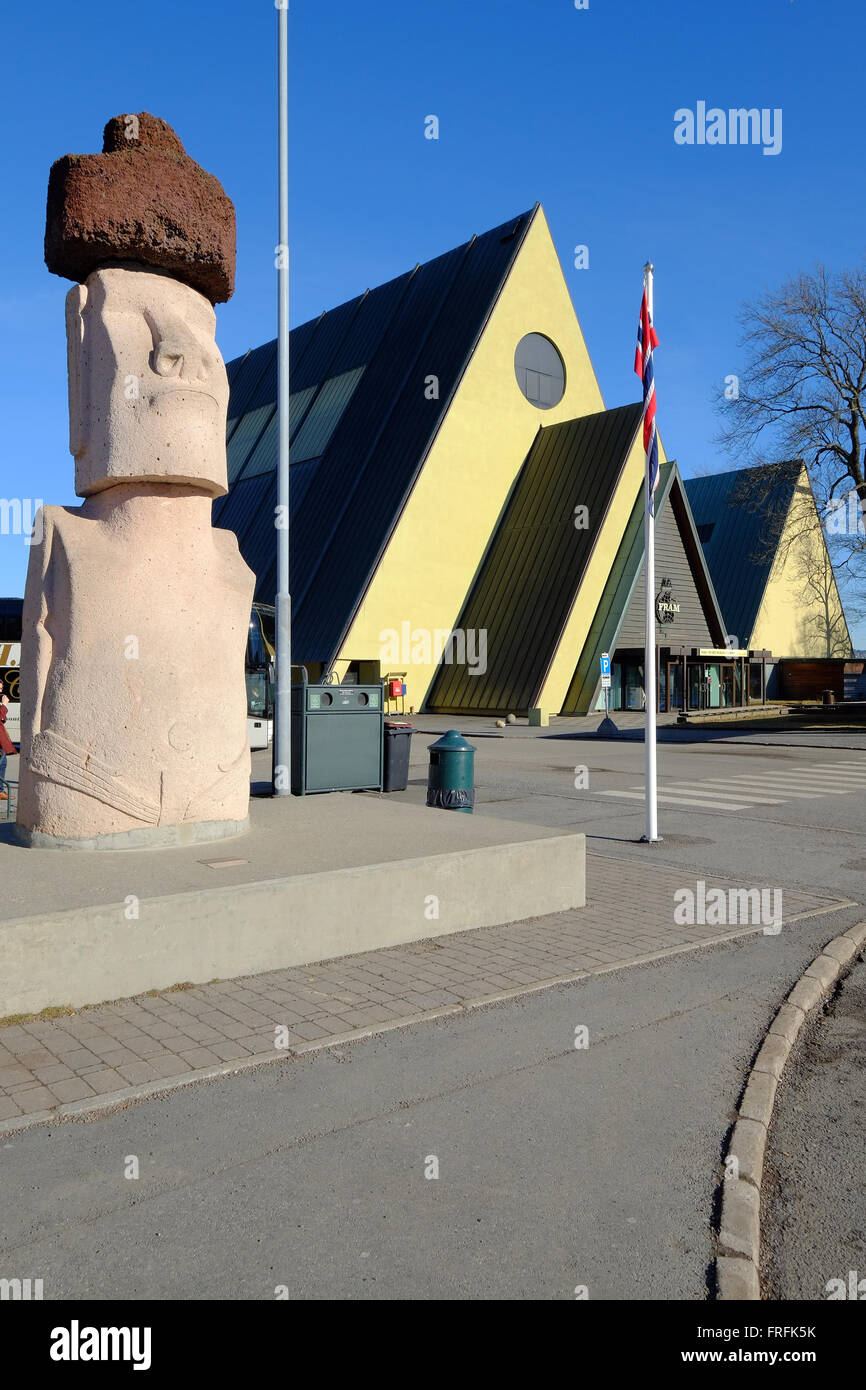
x,y
647,340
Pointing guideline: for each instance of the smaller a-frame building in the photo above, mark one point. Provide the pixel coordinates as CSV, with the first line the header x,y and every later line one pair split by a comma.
x,y
768,558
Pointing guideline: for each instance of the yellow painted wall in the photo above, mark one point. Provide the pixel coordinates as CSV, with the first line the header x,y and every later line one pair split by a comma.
x,y
580,619
792,619
439,543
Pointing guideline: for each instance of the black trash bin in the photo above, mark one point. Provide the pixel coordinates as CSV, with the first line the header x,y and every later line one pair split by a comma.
x,y
398,739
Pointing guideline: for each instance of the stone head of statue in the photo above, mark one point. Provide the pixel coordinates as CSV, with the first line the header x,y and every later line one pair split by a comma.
x,y
148,391
149,237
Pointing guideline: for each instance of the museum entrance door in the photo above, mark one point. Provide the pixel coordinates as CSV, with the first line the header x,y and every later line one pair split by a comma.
x,y
675,685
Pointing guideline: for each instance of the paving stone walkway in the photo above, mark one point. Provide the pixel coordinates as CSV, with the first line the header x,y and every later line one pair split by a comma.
x,y
110,1052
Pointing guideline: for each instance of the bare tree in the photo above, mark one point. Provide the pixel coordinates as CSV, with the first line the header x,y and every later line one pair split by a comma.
x,y
825,628
802,396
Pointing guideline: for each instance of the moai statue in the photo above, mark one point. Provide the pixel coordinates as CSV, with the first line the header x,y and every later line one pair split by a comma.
x,y
137,610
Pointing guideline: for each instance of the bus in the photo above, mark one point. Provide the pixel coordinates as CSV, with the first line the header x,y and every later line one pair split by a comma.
x,y
261,651
10,661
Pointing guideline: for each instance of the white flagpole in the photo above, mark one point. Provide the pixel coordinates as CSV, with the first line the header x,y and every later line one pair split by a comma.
x,y
650,683
283,670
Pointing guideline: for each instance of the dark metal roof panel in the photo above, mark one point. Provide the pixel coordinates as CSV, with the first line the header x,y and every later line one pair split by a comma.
x,y
233,367
531,576
301,476
253,377
741,549
244,438
703,578
312,393
330,334
246,378
240,510
264,391
257,545
249,510
261,457
370,324
324,415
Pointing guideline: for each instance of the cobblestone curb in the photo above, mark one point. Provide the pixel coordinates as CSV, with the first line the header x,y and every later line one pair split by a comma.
x,y
739,1257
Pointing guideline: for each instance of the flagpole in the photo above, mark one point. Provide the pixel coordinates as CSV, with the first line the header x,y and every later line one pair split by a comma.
x,y
283,669
650,683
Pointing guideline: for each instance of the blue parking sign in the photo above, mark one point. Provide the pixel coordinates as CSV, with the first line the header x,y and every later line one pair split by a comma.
x,y
605,664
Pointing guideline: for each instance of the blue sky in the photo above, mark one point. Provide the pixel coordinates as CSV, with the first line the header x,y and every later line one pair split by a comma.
x,y
536,100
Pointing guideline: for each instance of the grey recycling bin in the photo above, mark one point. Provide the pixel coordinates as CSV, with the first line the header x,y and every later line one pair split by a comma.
x,y
398,742
337,735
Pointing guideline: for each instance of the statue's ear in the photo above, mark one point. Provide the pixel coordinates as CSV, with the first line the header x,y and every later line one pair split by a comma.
x,y
75,304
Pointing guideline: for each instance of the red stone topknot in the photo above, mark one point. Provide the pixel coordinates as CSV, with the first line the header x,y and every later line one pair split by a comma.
x,y
142,200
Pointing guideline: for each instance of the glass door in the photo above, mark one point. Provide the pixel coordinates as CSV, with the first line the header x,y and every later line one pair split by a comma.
x,y
675,685
712,685
696,685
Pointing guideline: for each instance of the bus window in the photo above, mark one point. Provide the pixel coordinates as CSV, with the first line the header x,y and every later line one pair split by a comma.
x,y
267,618
259,673
256,658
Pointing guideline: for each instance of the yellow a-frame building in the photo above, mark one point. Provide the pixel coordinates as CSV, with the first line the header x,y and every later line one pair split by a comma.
x,y
465,511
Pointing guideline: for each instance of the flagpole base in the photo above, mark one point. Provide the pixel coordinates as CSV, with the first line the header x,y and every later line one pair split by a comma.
x,y
645,840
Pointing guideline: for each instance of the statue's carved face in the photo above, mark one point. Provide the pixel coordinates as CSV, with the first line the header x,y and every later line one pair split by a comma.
x,y
148,391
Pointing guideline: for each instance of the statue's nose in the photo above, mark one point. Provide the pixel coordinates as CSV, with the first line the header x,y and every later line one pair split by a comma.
x,y
181,356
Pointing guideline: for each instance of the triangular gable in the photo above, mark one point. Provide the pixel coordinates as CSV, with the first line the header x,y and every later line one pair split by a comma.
x,y
737,514
801,613
620,617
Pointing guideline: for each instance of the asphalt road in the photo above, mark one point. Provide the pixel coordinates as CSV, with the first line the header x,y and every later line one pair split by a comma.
x,y
808,832
814,1210
558,1167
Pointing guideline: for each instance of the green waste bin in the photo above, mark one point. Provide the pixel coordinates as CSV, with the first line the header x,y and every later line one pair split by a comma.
x,y
451,774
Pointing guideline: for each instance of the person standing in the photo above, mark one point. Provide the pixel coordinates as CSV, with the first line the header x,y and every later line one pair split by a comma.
x,y
6,744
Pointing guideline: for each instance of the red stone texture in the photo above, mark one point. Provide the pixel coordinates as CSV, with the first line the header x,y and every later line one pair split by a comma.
x,y
141,200
153,133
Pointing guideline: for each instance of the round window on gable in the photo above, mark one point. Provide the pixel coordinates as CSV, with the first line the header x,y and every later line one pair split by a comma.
x,y
540,371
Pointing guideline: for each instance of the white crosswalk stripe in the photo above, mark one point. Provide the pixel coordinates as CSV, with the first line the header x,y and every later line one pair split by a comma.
x,y
859,766
748,791
723,790
638,794
811,785
782,792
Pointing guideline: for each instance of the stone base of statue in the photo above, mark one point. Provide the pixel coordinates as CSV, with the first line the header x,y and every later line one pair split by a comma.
x,y
170,836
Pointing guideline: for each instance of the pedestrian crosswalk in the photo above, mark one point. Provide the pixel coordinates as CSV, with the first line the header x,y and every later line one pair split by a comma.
x,y
752,790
